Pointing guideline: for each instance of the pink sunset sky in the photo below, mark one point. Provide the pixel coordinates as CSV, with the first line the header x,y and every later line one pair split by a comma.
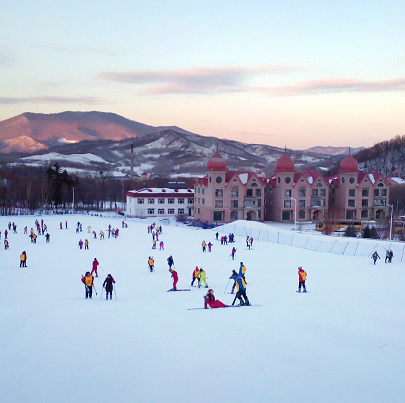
x,y
294,73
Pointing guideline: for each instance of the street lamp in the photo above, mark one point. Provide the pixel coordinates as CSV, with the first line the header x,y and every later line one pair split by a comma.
x,y
392,209
295,212
73,200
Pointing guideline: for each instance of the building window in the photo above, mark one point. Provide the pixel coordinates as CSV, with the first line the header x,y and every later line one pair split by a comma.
x,y
141,201
151,201
301,203
351,180
258,192
198,190
198,200
383,192
151,211
180,200
180,211
234,215
170,200
349,214
161,200
219,203
287,203
219,192
161,210
319,184
364,213
322,192
314,192
352,192
351,202
234,203
332,190
249,192
287,179
376,192
343,179
302,192
203,190
270,191
332,200
287,192
364,203
301,214
190,200
278,180
171,211
198,210
235,192
365,192
202,201
218,179
259,203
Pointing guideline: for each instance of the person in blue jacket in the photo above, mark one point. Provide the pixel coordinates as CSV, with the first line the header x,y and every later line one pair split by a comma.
x,y
241,294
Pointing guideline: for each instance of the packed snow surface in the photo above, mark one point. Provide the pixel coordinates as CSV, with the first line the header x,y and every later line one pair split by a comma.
x,y
343,341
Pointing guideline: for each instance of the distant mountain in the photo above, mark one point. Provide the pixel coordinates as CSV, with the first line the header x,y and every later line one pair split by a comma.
x,y
30,132
333,150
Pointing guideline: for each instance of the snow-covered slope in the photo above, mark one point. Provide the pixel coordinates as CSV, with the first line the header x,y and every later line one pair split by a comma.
x,y
343,342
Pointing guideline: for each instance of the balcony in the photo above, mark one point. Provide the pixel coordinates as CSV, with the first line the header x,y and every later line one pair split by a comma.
x,y
251,204
318,203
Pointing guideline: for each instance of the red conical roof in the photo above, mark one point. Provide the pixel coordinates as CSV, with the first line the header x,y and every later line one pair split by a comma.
x,y
349,164
285,164
217,163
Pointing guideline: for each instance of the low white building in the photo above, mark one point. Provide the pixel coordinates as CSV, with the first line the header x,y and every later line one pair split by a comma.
x,y
160,202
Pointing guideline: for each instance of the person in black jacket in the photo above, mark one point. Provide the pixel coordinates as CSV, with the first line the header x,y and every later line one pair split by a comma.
x,y
170,261
108,285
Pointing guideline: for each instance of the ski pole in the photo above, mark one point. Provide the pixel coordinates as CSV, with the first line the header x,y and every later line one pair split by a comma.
x,y
227,286
235,298
102,293
95,289
115,293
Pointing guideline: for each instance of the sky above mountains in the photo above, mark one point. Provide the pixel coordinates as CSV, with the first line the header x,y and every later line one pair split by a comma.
x,y
294,73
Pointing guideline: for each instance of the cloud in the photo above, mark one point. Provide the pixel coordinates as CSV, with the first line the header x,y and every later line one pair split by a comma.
x,y
335,85
200,80
47,99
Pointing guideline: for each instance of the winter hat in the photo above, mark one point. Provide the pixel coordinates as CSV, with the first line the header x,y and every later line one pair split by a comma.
x,y
299,268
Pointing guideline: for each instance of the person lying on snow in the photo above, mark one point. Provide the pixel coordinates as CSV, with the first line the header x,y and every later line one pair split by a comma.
x,y
210,300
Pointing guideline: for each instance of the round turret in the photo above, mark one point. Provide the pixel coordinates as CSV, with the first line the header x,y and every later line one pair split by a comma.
x,y
349,164
217,163
285,164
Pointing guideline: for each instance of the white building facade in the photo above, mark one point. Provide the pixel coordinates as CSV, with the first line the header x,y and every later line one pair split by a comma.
x,y
160,202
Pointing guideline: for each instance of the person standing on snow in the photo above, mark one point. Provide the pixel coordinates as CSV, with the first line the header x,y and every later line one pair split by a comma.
x,y
209,246
233,277
233,253
196,275
161,245
151,263
175,279
170,261
108,285
203,277
302,276
88,281
210,300
86,244
241,293
23,259
242,270
95,266
375,256
204,246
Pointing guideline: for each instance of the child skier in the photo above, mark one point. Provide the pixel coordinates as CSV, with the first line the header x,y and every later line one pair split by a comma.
x,y
302,276
108,285
210,300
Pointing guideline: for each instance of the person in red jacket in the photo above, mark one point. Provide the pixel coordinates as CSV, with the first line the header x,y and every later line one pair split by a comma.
x,y
302,276
175,279
210,300
95,266
196,275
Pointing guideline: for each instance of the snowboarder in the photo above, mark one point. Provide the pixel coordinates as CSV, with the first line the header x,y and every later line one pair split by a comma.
x,y
23,259
170,261
241,293
151,263
233,253
203,277
175,279
95,266
233,277
210,300
302,276
196,275
88,280
108,285
375,256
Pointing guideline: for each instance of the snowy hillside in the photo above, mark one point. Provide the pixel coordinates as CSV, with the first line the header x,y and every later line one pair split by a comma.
x,y
343,341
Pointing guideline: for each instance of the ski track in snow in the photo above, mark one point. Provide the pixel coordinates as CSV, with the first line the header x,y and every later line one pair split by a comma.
x,y
343,342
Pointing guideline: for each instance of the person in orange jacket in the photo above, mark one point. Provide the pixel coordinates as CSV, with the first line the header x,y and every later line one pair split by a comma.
x,y
88,281
151,263
210,300
302,276
23,259
196,275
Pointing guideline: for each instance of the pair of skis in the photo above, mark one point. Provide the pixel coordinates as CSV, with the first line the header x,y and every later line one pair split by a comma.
x,y
227,306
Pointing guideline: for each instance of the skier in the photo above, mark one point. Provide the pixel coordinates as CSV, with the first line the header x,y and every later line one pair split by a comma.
x,y
170,261
95,266
241,294
86,244
88,281
60,225
47,237
204,246
196,275
162,245
216,236
210,300
247,242
302,276
242,270
251,242
95,234
209,246
81,244
89,229
108,285
6,244
390,257
23,259
66,224
375,256
151,263
101,235
233,253
233,277
203,277
154,244
175,279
